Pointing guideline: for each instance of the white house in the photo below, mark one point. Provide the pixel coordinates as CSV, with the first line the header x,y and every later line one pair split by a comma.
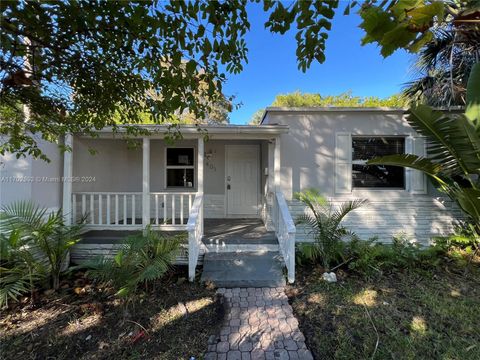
x,y
247,172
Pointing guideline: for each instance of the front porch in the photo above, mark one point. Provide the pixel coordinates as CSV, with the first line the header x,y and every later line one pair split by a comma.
x,y
224,193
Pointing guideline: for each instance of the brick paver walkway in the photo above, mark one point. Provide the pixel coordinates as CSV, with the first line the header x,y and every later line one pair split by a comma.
x,y
259,324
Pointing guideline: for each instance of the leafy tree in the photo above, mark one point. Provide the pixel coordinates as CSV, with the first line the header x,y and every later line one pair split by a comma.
x,y
256,118
298,99
410,24
93,64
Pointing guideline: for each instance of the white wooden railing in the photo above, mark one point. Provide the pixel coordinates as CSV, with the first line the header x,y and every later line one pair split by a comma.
x,y
285,232
169,208
195,234
107,209
113,210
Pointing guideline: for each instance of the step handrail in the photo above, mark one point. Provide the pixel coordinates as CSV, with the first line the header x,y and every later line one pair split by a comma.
x,y
285,231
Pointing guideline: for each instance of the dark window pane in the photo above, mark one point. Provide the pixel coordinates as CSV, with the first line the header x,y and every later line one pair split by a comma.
x,y
180,178
377,176
368,148
180,157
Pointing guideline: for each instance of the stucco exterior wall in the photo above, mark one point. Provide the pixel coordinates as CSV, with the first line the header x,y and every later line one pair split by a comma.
x,y
308,161
32,179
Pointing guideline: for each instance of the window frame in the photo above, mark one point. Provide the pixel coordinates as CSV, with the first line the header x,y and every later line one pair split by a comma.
x,y
364,162
172,167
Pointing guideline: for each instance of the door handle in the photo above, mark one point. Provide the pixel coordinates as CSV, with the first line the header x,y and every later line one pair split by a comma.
x,y
228,186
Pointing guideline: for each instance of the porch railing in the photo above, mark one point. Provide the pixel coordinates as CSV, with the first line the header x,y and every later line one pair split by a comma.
x,y
285,232
110,210
195,234
169,208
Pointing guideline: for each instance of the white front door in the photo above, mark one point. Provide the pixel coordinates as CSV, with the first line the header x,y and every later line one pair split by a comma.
x,y
242,179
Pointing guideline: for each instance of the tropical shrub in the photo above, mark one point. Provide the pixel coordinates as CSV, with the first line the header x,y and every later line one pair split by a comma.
x,y
324,222
142,259
19,268
453,148
34,245
369,257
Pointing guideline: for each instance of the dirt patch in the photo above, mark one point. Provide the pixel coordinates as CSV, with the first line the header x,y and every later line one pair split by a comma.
x,y
84,321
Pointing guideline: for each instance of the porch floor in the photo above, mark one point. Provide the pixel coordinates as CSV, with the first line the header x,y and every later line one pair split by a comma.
x,y
237,232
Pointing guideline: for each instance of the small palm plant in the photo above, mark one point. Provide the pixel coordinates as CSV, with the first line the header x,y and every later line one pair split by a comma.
x,y
324,221
34,235
142,259
19,268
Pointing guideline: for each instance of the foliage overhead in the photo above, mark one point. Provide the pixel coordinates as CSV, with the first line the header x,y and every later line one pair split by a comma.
x,y
411,24
346,99
443,66
101,63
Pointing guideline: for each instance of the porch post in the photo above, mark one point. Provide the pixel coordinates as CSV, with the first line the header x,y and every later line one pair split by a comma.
x,y
67,180
200,155
276,182
146,183
277,164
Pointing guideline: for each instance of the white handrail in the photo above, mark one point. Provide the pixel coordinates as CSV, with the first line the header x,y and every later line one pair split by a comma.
x,y
195,234
285,231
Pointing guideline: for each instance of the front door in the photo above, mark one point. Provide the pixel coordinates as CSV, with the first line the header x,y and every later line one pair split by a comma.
x,y
242,179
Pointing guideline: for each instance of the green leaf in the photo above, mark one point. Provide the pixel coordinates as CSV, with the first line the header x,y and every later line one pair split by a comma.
x,y
469,201
473,95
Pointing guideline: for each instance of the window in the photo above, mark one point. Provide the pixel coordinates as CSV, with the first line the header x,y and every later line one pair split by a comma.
x,y
376,176
180,167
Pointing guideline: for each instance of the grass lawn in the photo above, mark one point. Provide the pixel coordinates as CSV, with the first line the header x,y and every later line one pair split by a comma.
x,y
86,322
415,314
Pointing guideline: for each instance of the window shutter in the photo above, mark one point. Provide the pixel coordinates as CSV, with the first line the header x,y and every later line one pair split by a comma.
x,y
343,163
417,180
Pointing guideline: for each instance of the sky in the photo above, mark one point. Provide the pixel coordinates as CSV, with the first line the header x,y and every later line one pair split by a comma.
x,y
272,66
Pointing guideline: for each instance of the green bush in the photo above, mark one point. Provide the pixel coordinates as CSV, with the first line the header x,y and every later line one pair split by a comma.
x,y
371,257
324,222
141,260
34,245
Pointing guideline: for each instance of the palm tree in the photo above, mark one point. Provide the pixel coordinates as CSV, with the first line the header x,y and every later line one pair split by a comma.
x,y
324,221
443,65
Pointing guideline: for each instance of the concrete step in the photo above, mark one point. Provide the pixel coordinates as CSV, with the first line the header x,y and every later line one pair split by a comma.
x,y
243,269
236,248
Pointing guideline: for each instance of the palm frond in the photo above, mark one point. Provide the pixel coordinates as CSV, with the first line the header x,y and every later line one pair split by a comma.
x,y
453,141
410,161
346,208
